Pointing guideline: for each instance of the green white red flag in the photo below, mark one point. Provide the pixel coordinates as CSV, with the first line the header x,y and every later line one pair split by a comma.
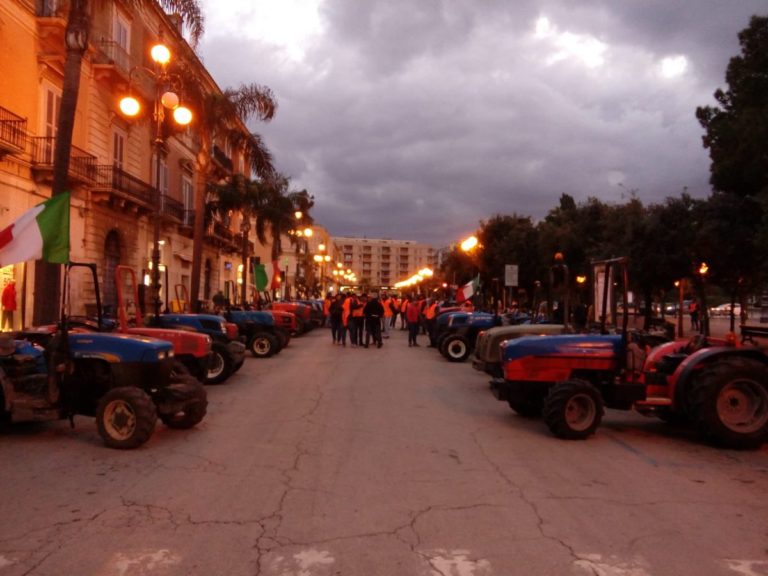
x,y
41,233
266,276
468,290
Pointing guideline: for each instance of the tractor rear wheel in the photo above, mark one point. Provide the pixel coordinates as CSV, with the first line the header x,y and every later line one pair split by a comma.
x,y
455,348
125,417
573,409
729,402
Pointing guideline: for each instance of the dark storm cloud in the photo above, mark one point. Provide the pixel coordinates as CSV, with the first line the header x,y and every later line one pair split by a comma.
x,y
418,119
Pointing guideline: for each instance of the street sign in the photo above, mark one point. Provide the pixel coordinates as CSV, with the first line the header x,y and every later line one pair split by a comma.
x,y
511,272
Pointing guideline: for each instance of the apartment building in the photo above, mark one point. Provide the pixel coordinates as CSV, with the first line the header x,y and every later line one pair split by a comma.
x,y
380,263
114,165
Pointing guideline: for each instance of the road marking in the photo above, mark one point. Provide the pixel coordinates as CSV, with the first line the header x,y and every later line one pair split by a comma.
x,y
457,563
747,567
144,562
596,565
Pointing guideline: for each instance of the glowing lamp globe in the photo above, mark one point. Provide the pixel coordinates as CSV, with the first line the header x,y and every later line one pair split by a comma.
x,y
182,115
130,106
160,54
169,100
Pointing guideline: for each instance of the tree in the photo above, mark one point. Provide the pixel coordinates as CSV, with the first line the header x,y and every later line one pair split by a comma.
x,y
737,129
222,118
47,276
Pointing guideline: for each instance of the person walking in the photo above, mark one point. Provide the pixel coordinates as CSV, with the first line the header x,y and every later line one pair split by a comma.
x,y
9,305
403,307
413,318
693,309
374,312
394,306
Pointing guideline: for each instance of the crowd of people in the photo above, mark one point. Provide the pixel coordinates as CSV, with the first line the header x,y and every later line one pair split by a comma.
x,y
368,318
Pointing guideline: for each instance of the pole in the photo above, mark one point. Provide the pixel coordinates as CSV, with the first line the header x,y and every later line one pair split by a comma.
x,y
158,203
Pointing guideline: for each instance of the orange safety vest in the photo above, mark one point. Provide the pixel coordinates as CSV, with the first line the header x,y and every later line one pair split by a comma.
x,y
358,312
403,306
327,306
431,311
387,309
346,310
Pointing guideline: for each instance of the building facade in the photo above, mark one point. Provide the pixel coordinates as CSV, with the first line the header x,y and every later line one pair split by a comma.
x,y
122,180
380,263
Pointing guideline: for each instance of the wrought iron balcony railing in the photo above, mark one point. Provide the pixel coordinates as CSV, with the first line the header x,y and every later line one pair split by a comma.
x,y
13,131
82,165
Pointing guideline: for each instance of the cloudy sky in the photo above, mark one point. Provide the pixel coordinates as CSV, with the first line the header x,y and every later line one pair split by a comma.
x,y
416,119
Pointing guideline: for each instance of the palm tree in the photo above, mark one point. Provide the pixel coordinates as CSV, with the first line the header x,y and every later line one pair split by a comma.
x,y
76,36
222,117
272,206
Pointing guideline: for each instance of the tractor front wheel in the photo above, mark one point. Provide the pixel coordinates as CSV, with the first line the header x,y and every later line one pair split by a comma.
x,y
573,409
263,345
221,364
730,402
455,348
194,409
125,417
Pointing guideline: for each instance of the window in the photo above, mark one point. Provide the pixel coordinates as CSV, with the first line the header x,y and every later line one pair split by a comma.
x,y
118,148
51,104
187,198
121,34
163,185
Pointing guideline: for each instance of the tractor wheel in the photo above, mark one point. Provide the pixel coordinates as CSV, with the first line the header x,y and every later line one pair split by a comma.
x,y
729,402
263,345
221,364
194,410
125,417
527,408
455,348
573,409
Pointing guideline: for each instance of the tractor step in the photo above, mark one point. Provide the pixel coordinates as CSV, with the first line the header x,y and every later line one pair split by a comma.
x,y
29,408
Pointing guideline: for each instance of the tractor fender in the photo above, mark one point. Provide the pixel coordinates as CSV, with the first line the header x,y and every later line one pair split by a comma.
x,y
688,369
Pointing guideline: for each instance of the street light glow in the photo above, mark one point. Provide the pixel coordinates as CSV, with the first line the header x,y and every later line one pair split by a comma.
x,y
130,106
182,115
469,243
160,54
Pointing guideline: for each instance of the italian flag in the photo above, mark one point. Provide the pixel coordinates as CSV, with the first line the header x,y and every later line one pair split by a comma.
x,y
468,290
267,276
41,232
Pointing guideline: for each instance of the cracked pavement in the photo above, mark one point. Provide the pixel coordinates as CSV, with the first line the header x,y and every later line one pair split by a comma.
x,y
326,461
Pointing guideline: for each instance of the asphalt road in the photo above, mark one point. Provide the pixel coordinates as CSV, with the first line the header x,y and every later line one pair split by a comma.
x,y
338,461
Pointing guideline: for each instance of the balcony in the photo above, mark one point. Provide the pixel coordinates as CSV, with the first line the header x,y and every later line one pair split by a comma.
x,y
111,62
82,165
122,191
219,235
51,25
222,161
172,209
13,132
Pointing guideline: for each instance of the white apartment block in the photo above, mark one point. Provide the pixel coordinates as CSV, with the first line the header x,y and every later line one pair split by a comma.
x,y
380,263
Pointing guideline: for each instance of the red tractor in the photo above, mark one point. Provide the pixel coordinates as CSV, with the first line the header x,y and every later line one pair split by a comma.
x,y
717,385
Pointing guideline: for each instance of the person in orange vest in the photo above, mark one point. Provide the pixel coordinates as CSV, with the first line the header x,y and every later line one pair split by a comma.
x,y
385,300
336,313
327,308
357,320
413,317
430,317
394,306
403,307
347,311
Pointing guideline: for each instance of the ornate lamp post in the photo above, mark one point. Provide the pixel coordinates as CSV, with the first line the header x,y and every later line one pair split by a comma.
x,y
165,99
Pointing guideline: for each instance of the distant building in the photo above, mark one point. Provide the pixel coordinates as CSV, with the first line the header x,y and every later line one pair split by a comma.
x,y
379,263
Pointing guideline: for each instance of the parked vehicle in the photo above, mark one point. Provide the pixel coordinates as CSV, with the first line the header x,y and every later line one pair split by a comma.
x,y
258,331
720,387
725,310
458,340
125,382
227,352
302,312
487,356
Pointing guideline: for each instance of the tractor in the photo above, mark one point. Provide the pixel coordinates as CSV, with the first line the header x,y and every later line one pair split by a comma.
x,y
719,386
125,382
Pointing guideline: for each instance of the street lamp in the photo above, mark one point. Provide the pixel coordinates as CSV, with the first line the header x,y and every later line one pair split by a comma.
x,y
165,99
